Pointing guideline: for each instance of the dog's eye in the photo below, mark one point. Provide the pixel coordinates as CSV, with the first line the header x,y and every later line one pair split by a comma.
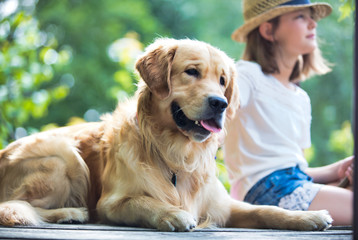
x,y
192,72
222,81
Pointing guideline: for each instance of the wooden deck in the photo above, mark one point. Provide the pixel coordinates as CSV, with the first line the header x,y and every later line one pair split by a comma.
x,y
88,231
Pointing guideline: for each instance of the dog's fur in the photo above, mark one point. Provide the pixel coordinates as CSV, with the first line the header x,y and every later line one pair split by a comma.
x,y
122,170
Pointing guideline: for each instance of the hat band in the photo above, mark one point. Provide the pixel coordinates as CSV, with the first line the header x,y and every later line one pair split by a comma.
x,y
296,2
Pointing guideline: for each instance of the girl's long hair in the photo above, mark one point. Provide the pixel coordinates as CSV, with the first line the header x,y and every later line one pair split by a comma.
x,y
262,51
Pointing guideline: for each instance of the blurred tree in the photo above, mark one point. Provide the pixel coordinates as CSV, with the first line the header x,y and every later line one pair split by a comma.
x,y
211,21
341,141
331,94
28,59
124,51
91,29
346,8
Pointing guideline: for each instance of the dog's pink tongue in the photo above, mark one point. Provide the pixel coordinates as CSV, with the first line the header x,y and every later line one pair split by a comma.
x,y
210,125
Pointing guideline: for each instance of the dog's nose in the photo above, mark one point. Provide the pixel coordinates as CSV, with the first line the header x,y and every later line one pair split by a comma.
x,y
217,104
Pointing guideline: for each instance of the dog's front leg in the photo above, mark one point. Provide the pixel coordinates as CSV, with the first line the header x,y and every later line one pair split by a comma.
x,y
255,216
145,211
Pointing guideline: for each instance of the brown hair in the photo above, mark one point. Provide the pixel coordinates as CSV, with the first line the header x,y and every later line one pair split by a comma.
x,y
260,50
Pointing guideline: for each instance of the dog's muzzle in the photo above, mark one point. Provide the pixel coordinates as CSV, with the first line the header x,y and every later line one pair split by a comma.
x,y
210,120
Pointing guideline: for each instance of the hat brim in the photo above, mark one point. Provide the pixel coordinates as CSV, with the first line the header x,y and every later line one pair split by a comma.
x,y
321,10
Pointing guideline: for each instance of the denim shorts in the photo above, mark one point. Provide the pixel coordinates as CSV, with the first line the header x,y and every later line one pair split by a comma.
x,y
288,188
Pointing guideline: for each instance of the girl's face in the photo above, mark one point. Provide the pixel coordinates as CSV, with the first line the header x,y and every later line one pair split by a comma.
x,y
296,32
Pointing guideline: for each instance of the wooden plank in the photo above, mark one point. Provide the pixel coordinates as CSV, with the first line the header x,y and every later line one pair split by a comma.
x,y
87,231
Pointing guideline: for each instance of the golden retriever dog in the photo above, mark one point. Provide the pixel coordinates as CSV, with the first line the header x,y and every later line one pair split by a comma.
x,y
150,164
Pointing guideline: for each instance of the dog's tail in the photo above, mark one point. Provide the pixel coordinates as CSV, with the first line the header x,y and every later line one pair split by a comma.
x,y
17,212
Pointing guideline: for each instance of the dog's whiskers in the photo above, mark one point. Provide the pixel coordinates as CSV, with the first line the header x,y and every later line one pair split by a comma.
x,y
181,109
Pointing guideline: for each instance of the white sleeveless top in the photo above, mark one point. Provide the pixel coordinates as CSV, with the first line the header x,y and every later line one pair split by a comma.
x,y
270,130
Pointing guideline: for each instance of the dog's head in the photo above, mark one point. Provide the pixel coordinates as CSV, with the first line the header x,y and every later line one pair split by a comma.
x,y
193,85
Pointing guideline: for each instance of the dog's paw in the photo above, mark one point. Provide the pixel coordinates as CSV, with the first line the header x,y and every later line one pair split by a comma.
x,y
314,220
74,215
67,215
176,221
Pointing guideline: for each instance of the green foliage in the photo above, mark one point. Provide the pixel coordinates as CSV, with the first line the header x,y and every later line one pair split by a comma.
x,y
331,94
124,51
28,59
221,169
93,29
341,141
346,8
310,154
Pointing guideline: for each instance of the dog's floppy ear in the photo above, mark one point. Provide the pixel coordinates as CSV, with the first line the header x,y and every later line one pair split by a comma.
x,y
155,66
232,95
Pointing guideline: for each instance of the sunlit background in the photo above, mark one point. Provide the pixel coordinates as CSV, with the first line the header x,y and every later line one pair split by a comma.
x,y
69,61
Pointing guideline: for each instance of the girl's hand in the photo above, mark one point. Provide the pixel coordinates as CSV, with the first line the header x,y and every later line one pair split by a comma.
x,y
345,169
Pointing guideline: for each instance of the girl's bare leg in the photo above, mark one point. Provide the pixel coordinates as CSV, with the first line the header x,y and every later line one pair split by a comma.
x,y
338,201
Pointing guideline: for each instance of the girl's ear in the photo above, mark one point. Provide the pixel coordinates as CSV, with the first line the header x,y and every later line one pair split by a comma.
x,y
266,32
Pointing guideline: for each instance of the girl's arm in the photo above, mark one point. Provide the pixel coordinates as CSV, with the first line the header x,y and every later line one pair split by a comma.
x,y
333,173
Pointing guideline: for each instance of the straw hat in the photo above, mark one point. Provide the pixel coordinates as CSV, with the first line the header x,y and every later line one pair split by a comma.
x,y
259,11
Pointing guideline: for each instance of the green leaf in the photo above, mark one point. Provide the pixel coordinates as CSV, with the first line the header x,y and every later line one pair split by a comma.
x,y
346,9
60,92
124,78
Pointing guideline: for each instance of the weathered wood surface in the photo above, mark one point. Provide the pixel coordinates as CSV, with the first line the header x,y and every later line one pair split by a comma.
x,y
89,231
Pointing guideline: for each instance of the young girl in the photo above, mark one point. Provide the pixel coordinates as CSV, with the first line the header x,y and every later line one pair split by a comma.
x,y
265,142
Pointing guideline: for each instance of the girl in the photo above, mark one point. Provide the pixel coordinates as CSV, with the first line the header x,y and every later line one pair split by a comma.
x,y
265,142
